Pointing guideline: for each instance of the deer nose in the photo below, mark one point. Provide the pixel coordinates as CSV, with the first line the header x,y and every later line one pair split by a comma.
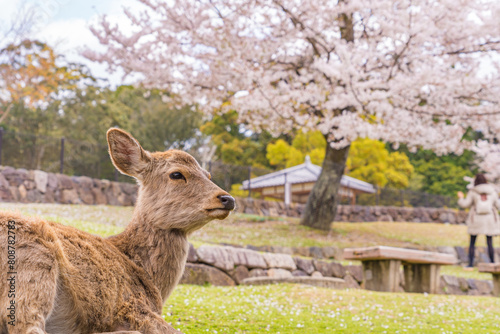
x,y
227,201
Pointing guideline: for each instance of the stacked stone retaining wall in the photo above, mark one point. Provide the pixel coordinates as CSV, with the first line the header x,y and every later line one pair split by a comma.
x,y
224,265
35,186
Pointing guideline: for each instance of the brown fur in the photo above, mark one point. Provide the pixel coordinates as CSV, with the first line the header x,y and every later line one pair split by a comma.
x,y
69,281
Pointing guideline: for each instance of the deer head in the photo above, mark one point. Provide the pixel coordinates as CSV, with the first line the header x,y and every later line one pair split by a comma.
x,y
174,191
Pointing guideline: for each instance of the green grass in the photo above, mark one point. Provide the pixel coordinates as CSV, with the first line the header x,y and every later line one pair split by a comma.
x,y
101,214
301,309
88,226
242,229
101,220
237,230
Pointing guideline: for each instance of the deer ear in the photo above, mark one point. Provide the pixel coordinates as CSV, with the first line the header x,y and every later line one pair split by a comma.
x,y
126,153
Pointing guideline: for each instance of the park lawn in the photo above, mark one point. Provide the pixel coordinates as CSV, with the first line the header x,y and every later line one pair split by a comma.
x,y
242,229
289,308
239,231
102,214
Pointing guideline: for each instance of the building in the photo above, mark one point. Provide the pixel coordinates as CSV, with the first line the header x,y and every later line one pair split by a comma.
x,y
295,183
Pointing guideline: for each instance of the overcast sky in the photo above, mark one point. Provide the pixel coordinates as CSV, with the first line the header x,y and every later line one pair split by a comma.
x,y
64,25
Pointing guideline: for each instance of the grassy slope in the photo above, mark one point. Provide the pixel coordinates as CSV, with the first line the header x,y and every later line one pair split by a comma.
x,y
240,229
244,230
295,308
97,219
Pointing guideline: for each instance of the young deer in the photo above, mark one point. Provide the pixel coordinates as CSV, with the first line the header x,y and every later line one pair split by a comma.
x,y
68,281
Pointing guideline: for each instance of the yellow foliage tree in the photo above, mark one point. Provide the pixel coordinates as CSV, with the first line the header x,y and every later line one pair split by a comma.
x,y
234,146
370,161
30,75
283,155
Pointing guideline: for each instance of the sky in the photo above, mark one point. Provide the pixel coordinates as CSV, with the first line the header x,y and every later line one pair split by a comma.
x,y
64,25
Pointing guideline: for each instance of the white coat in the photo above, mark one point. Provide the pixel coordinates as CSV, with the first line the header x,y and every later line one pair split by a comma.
x,y
487,224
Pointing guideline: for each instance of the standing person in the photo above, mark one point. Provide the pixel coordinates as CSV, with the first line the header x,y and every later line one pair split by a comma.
x,y
483,217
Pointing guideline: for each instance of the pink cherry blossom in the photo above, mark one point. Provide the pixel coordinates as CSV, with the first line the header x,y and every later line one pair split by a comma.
x,y
410,72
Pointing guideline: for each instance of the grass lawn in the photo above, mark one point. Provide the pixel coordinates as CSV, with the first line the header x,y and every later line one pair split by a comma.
x,y
97,219
242,229
301,309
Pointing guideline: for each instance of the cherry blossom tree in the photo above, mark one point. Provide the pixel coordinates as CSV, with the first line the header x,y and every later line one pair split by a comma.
x,y
400,71
488,159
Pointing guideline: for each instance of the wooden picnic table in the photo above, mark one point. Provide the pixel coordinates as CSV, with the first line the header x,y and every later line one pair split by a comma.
x,y
494,269
381,265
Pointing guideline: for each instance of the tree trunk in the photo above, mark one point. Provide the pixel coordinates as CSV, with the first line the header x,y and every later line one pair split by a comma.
x,y
39,157
323,200
6,112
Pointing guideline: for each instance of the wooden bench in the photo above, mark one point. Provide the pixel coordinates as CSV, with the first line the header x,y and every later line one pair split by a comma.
x,y
381,266
494,269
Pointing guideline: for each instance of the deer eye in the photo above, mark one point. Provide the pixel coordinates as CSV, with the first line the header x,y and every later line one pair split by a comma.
x,y
177,176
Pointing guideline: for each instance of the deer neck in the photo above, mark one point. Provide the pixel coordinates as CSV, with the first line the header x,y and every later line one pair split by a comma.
x,y
161,253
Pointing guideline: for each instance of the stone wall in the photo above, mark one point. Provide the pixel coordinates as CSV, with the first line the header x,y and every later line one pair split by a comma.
x,y
21,185
35,186
357,213
224,265
230,266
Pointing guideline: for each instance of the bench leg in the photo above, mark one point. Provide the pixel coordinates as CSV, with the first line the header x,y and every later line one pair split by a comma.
x,y
381,275
422,278
496,285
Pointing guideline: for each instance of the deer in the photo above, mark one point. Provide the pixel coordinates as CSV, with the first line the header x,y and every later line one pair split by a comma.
x,y
58,279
